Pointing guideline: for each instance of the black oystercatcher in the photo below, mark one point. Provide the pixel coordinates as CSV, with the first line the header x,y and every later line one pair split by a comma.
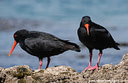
x,y
42,44
94,36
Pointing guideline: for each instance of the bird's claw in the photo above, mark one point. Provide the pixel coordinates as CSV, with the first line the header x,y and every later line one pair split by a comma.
x,y
95,67
87,68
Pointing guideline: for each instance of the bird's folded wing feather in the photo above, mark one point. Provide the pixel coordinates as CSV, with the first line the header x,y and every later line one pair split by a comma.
x,y
100,30
42,44
101,34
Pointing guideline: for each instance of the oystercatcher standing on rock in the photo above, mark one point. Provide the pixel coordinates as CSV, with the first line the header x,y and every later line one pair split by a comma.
x,y
94,36
42,44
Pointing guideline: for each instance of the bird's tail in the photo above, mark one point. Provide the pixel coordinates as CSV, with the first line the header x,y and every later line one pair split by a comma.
x,y
116,46
72,46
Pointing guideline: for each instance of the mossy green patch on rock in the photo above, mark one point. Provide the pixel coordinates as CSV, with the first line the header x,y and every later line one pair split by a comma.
x,y
21,72
22,81
18,72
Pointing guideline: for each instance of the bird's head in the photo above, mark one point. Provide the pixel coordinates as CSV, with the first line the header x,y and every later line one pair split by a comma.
x,y
86,19
19,35
85,22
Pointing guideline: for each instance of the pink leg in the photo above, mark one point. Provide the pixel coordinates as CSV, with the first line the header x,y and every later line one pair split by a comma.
x,y
48,62
97,65
40,60
89,66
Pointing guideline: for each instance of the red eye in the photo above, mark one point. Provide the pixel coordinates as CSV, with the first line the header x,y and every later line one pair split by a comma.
x,y
82,20
15,35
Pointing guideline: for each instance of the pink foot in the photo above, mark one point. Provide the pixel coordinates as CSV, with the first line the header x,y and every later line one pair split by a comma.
x,y
95,67
87,68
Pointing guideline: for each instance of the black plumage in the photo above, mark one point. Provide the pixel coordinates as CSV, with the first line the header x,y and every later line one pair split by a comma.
x,y
95,36
42,44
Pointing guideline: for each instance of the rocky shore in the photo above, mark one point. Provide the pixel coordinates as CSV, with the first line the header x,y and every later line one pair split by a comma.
x,y
107,73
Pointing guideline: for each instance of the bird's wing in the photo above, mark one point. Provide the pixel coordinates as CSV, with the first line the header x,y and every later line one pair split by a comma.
x,y
45,36
41,44
100,30
101,34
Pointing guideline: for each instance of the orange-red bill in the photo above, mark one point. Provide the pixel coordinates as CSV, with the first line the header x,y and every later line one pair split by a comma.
x,y
87,27
14,45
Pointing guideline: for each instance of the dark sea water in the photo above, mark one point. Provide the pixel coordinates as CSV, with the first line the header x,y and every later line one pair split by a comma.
x,y
61,18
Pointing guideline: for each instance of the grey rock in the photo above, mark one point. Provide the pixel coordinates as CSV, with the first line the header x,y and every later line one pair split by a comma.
x,y
57,75
108,73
